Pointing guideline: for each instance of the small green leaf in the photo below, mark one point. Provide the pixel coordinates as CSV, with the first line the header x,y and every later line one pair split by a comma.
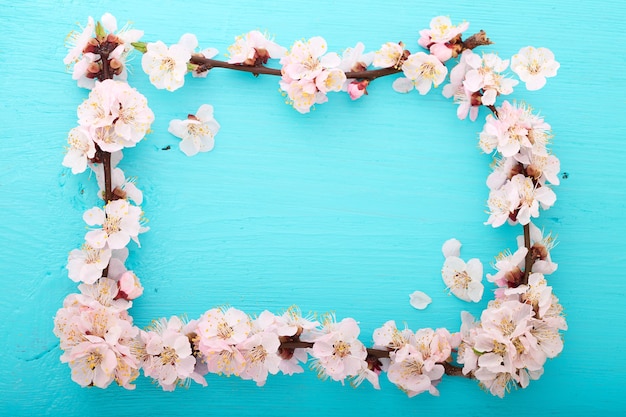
x,y
140,46
100,32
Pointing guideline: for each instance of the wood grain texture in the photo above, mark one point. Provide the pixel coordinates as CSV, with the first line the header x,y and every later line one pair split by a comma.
x,y
343,209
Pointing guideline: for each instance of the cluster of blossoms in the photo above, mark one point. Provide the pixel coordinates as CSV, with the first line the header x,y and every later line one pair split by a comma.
x,y
524,168
94,327
97,54
508,346
309,73
167,66
115,116
515,336
415,362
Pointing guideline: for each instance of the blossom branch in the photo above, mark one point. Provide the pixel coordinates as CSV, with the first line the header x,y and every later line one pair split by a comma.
x,y
529,255
476,40
106,164
205,64
450,369
453,370
528,259
106,68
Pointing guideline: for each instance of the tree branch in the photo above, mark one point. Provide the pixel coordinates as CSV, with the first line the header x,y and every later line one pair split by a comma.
x,y
528,265
450,369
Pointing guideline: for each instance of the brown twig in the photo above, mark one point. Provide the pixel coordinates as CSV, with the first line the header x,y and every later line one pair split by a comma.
x,y
205,64
450,369
528,265
477,39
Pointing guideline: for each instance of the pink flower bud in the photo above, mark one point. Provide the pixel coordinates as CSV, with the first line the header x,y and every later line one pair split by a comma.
x,y
356,89
130,287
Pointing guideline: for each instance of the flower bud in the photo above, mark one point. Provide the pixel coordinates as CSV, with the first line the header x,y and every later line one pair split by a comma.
x,y
129,286
115,63
93,68
533,171
356,89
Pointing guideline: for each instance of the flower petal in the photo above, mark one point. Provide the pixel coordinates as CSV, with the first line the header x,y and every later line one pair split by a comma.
x,y
451,247
420,300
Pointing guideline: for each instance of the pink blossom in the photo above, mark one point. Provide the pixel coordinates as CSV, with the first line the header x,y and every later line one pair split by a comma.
x,y
92,363
105,292
497,383
306,60
547,338
330,80
86,264
502,340
292,326
505,169
254,48
217,328
534,65
469,101
437,38
365,373
77,41
407,370
167,66
303,94
120,223
122,187
466,355
293,323
422,71
169,356
260,352
540,165
540,247
67,323
485,74
353,59
518,130
197,131
463,279
509,268
81,149
515,129
390,337
414,358
531,196
502,202
389,55
219,333
338,352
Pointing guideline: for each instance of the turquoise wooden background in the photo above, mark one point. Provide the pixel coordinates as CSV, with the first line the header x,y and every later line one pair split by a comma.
x,y
342,209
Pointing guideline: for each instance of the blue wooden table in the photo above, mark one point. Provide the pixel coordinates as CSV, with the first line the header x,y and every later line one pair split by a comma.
x,y
344,209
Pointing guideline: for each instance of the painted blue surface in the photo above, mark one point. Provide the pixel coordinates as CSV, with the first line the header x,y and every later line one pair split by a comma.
x,y
343,209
